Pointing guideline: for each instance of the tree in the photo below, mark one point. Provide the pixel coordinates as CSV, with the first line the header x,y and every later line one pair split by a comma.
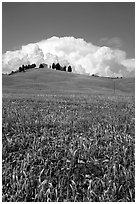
x,y
69,69
41,66
21,69
12,72
26,67
53,66
64,68
33,65
58,66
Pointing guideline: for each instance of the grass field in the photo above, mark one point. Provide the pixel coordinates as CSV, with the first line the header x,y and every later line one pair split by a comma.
x,y
69,147
57,82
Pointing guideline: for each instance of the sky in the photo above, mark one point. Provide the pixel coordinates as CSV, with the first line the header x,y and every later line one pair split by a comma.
x,y
101,24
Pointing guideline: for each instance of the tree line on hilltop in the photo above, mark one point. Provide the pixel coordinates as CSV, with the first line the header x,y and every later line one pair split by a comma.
x,y
23,68
57,66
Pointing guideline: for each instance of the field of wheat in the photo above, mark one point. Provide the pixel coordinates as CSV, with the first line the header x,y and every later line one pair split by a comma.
x,y
68,148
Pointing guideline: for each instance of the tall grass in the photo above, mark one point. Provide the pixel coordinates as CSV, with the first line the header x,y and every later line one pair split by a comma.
x,y
60,148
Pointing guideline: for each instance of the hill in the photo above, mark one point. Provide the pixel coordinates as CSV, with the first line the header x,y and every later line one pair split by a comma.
x,y
67,148
52,81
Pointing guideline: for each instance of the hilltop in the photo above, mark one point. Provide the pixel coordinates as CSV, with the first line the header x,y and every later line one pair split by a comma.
x,y
52,81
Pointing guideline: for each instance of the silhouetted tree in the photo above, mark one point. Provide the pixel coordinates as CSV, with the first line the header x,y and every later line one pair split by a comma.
x,y
41,66
57,66
33,65
69,69
21,69
64,68
53,66
30,66
12,72
25,67
94,75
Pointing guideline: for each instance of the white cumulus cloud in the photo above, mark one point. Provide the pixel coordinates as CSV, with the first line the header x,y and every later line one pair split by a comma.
x,y
85,58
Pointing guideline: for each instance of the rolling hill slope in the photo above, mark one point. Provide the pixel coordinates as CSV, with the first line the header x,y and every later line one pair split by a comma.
x,y
52,81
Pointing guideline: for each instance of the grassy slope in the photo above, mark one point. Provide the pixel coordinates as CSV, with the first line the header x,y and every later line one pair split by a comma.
x,y
47,80
52,143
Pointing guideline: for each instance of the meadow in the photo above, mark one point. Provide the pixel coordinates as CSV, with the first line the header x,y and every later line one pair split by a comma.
x,y
68,148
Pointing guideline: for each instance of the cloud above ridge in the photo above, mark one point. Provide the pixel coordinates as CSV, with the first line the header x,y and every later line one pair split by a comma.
x,y
85,58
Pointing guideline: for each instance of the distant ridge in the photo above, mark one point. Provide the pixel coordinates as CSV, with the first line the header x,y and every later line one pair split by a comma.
x,y
53,81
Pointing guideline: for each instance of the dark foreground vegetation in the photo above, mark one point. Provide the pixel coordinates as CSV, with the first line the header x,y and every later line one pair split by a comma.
x,y
76,148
